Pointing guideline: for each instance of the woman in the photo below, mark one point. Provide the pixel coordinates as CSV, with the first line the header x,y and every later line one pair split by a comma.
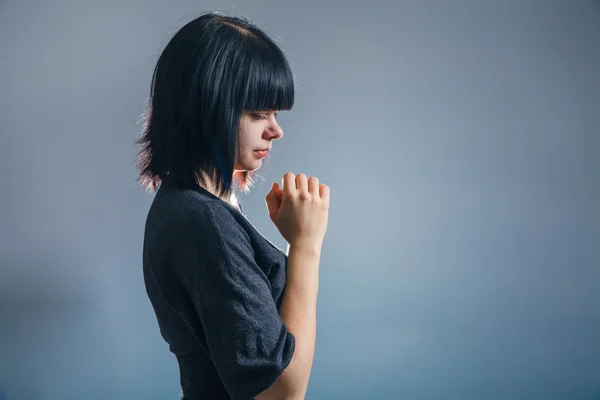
x,y
238,313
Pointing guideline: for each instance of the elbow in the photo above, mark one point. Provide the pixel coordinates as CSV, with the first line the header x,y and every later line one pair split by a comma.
x,y
291,385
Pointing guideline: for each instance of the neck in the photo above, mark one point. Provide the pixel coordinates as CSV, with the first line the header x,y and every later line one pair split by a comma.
x,y
210,186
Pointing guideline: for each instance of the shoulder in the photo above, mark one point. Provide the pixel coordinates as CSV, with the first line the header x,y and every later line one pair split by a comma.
x,y
191,216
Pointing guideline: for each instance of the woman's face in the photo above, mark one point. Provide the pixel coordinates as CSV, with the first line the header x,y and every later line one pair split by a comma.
x,y
258,129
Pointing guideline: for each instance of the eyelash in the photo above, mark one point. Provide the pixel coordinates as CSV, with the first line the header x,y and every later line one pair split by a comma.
x,y
259,117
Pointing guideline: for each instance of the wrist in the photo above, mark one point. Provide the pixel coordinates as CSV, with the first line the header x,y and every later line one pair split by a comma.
x,y
306,246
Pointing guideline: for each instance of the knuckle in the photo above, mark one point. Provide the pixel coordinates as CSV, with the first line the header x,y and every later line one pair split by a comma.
x,y
304,196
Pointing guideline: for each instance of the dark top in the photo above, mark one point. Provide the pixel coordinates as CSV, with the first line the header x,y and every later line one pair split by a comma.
x,y
216,285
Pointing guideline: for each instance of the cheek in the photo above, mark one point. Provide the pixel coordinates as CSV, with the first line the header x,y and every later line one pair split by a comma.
x,y
243,144
249,137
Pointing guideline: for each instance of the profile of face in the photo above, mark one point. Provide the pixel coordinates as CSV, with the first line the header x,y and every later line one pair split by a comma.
x,y
258,130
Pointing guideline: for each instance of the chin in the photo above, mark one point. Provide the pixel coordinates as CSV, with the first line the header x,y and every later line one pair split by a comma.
x,y
248,166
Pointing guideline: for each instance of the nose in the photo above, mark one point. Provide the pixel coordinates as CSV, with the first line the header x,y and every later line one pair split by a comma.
x,y
274,131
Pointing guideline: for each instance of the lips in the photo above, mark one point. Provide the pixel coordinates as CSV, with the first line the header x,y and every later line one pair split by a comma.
x,y
262,153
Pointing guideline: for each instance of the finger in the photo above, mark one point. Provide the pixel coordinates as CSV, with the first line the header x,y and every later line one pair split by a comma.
x,y
278,194
289,183
302,183
324,192
313,185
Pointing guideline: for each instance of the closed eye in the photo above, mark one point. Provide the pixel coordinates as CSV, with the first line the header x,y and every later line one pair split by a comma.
x,y
259,117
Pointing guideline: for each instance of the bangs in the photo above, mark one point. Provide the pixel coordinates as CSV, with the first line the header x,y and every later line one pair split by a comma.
x,y
270,80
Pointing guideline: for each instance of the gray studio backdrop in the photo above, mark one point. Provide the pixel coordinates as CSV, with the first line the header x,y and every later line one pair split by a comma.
x,y
460,140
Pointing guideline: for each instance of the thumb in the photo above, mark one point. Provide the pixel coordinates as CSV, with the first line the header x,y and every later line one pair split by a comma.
x,y
272,199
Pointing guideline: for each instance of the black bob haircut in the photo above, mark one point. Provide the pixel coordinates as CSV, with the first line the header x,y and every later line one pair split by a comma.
x,y
212,69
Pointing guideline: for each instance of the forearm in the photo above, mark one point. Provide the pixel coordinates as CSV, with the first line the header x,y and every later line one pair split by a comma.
x,y
299,311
